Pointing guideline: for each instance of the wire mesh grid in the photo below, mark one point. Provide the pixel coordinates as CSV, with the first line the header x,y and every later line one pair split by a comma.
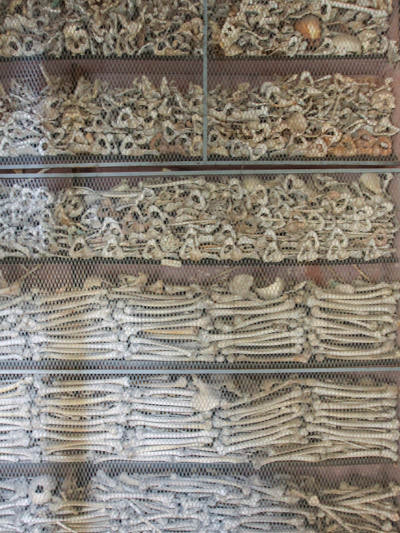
x,y
197,498
97,128
200,419
62,493
71,307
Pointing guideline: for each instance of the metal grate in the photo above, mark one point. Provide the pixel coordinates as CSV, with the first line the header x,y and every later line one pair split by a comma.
x,y
109,313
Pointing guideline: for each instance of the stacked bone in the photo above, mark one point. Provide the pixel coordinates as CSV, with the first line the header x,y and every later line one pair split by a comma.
x,y
352,321
307,421
158,419
294,117
287,218
234,322
229,505
162,418
16,417
257,28
99,119
212,503
72,325
26,505
107,28
80,420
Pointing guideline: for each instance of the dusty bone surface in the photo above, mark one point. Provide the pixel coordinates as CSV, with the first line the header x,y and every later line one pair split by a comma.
x,y
102,29
196,420
237,320
16,418
99,119
286,28
300,116
237,504
196,502
26,504
270,220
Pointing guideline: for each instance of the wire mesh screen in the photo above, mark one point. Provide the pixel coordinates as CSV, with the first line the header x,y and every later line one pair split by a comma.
x,y
186,352
243,451
104,273
193,499
159,82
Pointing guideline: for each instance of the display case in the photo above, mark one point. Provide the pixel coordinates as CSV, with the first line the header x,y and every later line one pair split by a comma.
x,y
199,266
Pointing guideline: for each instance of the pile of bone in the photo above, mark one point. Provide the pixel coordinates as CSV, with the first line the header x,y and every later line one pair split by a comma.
x,y
257,28
286,218
193,503
27,222
132,502
299,116
220,420
99,119
26,505
106,28
230,322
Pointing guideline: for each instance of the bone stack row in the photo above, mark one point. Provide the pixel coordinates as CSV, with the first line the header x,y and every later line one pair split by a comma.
x,y
349,322
97,118
190,220
212,503
194,420
16,422
229,322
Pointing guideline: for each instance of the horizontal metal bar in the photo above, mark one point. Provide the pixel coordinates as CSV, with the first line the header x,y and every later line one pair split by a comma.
x,y
45,260
206,172
189,372
322,165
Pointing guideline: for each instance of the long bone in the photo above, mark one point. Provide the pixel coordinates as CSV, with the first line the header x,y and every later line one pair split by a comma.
x,y
379,306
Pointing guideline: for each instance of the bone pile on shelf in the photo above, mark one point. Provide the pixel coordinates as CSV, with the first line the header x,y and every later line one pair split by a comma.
x,y
230,505
294,117
286,218
287,28
16,422
352,321
25,505
107,28
225,322
97,118
212,503
197,420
